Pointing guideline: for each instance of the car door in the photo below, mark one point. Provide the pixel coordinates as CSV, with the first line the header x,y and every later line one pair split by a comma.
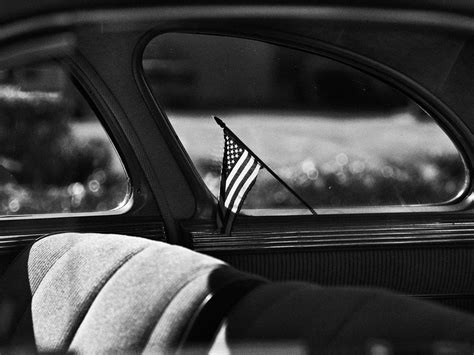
x,y
410,244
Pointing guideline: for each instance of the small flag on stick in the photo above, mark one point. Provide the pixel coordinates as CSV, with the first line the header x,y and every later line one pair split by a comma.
x,y
240,168
239,172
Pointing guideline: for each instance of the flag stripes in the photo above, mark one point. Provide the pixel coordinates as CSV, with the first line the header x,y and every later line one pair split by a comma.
x,y
239,172
234,198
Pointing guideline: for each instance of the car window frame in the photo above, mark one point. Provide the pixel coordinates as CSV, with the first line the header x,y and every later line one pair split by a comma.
x,y
445,118
61,53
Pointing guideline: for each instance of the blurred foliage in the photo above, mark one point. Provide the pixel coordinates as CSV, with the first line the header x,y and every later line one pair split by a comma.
x,y
343,182
50,170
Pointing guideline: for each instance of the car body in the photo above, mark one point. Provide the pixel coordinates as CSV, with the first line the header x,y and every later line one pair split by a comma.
x,y
422,50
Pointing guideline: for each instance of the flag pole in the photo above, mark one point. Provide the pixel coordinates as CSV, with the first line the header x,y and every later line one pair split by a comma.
x,y
279,179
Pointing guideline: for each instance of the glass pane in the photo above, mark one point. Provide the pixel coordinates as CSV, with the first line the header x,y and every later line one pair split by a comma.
x,y
338,136
55,156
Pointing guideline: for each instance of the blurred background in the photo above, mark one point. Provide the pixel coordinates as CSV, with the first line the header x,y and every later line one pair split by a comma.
x,y
340,137
337,135
55,156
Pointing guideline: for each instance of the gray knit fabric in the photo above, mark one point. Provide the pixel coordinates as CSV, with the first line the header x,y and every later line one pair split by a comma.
x,y
168,330
95,293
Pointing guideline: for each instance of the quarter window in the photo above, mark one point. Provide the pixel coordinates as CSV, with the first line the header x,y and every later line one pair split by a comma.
x,y
338,136
55,156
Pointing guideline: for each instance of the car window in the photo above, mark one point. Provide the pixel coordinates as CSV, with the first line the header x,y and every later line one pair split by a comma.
x,y
338,136
55,156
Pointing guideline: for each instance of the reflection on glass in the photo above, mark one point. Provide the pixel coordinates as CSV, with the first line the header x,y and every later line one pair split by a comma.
x,y
339,137
55,151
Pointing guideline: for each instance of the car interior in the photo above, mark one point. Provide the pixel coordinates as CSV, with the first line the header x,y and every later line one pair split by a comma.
x,y
112,166
88,293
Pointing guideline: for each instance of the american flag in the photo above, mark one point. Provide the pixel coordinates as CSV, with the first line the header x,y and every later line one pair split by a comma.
x,y
239,172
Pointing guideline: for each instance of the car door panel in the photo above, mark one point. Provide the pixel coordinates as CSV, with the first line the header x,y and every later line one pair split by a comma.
x,y
430,260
